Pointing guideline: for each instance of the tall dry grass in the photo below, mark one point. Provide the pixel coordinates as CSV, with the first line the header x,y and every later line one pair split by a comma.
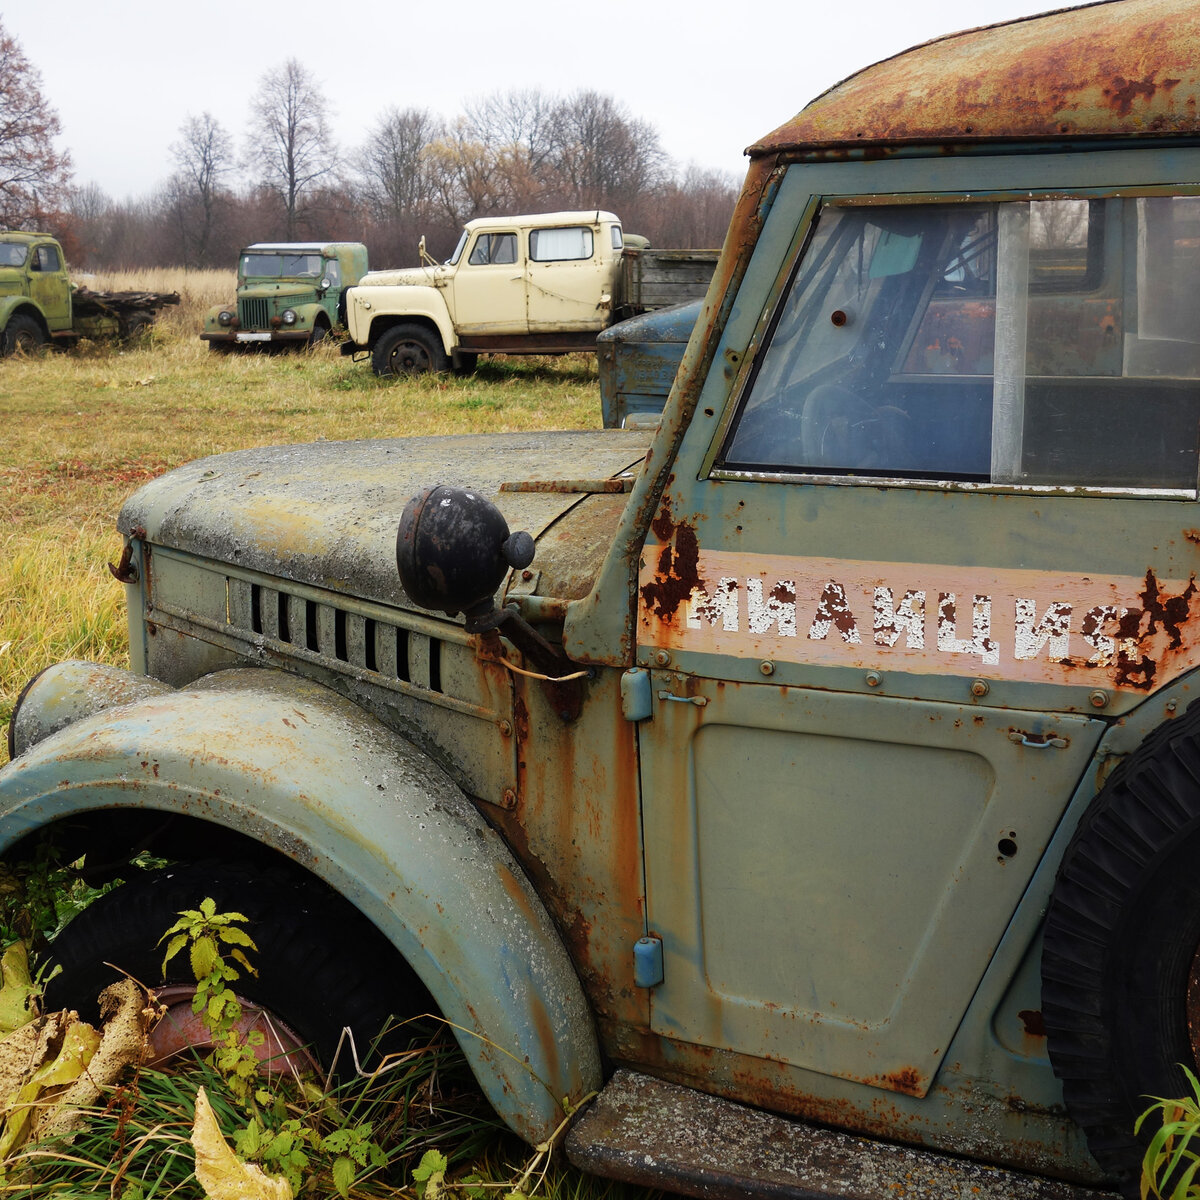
x,y
83,428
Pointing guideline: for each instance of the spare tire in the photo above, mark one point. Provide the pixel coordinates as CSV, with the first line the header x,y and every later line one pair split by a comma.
x,y
1121,961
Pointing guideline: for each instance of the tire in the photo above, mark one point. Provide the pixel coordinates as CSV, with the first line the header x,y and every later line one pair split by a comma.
x,y
135,325
321,965
1121,959
319,333
23,335
408,350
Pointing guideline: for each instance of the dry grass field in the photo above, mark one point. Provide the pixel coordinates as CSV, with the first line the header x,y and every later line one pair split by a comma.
x,y
84,427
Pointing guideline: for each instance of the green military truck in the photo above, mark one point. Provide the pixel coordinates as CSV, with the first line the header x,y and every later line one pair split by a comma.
x,y
288,294
39,305
815,776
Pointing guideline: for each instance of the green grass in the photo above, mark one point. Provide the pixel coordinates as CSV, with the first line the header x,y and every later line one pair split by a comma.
x,y
84,428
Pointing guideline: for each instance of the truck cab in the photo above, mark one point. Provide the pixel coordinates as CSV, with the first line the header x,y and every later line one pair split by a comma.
x,y
813,774
288,293
542,283
34,288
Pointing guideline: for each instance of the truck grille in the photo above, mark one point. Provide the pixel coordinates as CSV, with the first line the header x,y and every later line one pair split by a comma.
x,y
254,313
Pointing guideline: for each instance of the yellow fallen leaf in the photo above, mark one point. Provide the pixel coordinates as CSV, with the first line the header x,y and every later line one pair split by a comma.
x,y
17,990
223,1175
78,1045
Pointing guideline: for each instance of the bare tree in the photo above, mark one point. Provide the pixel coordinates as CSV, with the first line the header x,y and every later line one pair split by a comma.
x,y
393,166
33,176
203,156
604,156
464,174
291,147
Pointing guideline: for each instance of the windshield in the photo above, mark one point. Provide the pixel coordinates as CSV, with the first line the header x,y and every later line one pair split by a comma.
x,y
281,266
1048,342
13,255
462,243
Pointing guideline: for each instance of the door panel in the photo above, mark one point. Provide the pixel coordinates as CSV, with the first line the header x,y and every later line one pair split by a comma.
x,y
829,874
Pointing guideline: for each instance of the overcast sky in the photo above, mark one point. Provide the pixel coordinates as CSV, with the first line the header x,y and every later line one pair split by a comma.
x,y
711,76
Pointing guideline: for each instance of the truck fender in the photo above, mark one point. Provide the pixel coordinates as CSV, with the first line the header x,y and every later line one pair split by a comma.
x,y
13,304
379,308
305,771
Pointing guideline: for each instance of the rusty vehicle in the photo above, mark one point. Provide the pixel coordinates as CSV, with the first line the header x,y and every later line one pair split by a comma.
x,y
39,305
541,283
813,775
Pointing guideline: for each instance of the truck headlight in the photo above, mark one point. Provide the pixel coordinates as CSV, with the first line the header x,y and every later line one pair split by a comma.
x,y
288,316
224,317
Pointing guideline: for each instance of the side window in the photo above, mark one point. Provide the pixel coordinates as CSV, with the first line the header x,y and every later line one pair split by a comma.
x,y
333,272
618,241
1045,342
493,248
560,245
45,258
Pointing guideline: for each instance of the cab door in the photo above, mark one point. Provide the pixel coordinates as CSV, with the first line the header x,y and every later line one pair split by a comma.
x,y
49,286
882,607
487,293
571,278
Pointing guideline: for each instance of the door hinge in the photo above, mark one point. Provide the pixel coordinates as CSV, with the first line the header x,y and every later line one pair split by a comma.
x,y
647,962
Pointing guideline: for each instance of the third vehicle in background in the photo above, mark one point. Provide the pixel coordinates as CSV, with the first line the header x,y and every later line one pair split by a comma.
x,y
288,293
40,305
541,284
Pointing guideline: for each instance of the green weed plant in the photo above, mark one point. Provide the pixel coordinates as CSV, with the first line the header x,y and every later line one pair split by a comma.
x,y
1172,1160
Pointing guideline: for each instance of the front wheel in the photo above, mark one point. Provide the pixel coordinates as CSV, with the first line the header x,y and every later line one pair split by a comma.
x,y
408,350
1121,959
321,965
22,335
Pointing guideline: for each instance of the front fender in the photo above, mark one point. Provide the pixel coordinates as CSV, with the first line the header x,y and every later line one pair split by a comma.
x,y
369,310
307,772
12,304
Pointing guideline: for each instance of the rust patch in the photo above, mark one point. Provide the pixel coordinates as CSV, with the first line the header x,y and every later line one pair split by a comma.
x,y
1034,1022
676,574
1192,535
907,1080
1160,617
1101,71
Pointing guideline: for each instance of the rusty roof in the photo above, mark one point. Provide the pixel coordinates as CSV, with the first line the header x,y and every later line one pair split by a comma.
x,y
1118,68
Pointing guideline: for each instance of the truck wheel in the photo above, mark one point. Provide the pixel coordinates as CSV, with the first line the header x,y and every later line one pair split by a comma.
x,y
408,350
321,965
319,334
1121,960
135,325
23,335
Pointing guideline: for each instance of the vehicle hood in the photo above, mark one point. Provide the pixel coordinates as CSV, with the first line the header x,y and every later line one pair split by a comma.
x,y
283,290
407,277
327,513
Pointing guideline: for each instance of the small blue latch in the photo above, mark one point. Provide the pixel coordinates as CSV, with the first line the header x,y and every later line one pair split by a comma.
x,y
636,700
647,962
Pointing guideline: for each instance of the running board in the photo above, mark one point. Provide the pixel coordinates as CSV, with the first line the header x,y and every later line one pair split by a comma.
x,y
642,1130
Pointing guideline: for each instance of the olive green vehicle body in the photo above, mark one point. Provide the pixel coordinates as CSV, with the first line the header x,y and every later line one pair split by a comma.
x,y
288,293
788,833
36,288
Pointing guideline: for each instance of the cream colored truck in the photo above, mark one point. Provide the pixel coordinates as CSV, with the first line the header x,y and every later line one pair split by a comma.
x,y
547,283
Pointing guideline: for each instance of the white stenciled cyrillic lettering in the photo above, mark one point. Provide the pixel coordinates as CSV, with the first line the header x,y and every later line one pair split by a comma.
x,y
891,622
1107,648
721,608
834,610
1030,635
980,642
764,609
